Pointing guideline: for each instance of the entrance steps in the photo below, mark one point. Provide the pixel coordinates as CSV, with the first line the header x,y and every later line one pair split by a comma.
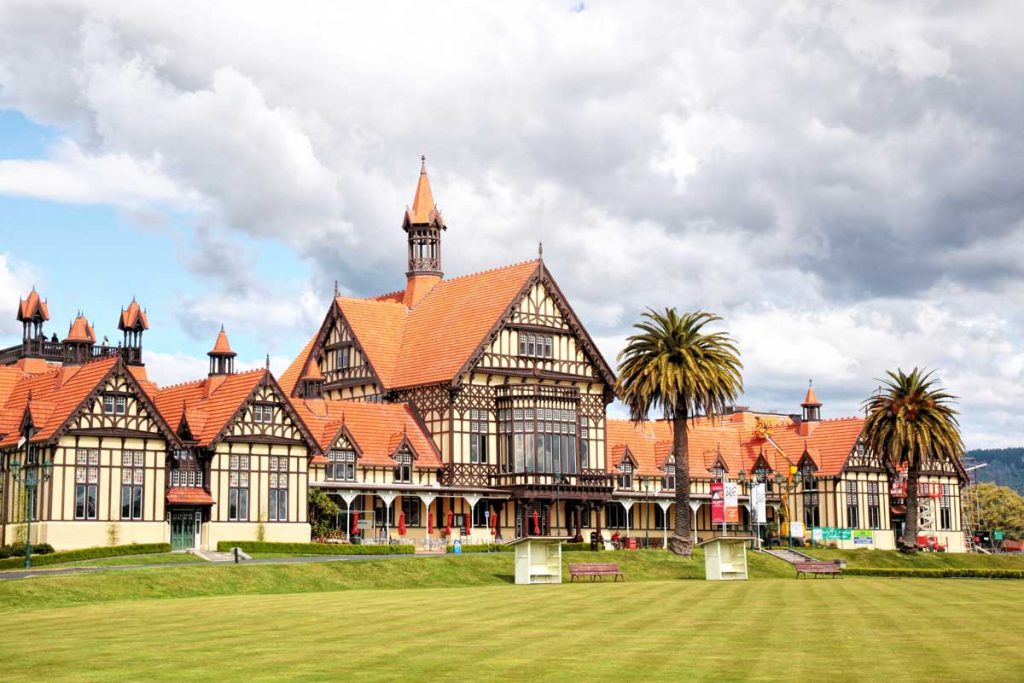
x,y
788,555
214,556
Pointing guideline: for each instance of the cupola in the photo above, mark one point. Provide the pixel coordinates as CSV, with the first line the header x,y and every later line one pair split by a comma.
x,y
79,341
32,313
423,224
133,322
222,358
811,405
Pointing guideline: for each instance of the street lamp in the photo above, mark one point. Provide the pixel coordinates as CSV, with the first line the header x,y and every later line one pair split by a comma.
x,y
29,475
647,511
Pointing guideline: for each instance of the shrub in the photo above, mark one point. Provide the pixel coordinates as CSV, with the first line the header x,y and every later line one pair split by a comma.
x,y
482,548
314,548
580,546
941,573
84,554
18,550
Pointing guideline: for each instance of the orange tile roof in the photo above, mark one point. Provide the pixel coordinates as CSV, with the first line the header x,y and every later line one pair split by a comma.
x,y
291,376
184,495
31,304
131,316
55,394
10,375
81,331
208,403
423,210
811,399
312,371
376,428
734,437
221,346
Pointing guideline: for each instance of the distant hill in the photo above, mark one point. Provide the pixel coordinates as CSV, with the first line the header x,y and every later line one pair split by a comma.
x,y
1005,466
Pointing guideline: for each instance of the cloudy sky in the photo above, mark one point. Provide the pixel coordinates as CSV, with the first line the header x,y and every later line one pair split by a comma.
x,y
842,183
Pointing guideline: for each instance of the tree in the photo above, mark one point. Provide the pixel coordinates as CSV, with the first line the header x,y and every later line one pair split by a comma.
x,y
673,364
912,419
322,509
998,507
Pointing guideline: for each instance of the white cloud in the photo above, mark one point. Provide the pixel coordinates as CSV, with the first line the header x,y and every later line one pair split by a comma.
x,y
840,182
16,279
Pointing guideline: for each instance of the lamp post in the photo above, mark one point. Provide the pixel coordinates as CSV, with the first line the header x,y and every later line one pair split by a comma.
x,y
761,475
647,510
741,480
29,475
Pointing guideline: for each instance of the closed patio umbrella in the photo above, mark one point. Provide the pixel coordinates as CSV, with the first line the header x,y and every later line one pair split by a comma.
x,y
430,522
448,523
536,523
355,522
494,523
469,521
401,523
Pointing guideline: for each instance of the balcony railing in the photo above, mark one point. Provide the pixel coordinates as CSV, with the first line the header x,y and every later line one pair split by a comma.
x,y
54,352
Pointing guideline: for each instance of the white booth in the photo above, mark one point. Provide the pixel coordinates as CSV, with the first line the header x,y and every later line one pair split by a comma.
x,y
725,558
538,559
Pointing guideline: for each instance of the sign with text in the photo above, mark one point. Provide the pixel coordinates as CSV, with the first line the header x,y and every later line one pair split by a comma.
x,y
757,500
863,537
717,503
732,502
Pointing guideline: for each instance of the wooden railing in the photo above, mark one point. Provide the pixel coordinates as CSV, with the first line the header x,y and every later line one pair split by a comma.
x,y
54,351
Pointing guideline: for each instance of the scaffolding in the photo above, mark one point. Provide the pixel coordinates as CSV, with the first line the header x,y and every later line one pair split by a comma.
x,y
971,503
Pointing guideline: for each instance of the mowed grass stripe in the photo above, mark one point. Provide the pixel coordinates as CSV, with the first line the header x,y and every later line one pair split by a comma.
x,y
852,629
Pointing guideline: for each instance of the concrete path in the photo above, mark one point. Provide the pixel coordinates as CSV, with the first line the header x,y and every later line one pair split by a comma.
x,y
60,571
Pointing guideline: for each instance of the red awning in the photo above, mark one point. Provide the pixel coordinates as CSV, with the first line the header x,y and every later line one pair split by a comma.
x,y
185,495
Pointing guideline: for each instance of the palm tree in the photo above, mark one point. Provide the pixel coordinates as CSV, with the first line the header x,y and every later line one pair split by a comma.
x,y
909,420
673,364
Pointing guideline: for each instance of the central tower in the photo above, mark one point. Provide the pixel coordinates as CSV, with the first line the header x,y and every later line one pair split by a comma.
x,y
423,224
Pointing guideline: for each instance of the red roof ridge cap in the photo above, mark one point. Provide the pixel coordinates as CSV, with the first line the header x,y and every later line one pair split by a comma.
x,y
492,270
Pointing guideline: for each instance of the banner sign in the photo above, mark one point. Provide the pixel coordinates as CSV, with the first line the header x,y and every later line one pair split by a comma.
x,y
817,534
732,502
757,500
863,537
717,503
831,533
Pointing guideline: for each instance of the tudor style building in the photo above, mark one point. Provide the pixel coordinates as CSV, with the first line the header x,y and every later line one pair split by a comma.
x,y
473,406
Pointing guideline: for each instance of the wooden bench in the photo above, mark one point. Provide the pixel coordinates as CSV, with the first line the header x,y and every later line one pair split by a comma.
x,y
816,568
594,570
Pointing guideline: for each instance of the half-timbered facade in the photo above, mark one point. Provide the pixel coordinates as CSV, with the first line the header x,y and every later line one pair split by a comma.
x,y
473,407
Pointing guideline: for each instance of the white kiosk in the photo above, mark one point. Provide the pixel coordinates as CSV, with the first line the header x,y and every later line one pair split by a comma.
x,y
725,558
538,559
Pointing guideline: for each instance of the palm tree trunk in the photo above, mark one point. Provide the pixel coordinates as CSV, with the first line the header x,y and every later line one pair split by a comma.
x,y
681,542
910,528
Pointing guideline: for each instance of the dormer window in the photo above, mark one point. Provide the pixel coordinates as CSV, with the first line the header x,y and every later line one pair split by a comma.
x,y
263,413
115,404
668,481
403,467
718,472
626,475
341,465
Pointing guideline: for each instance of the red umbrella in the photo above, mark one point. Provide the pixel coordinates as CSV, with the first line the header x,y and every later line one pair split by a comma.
x,y
494,523
430,522
401,523
536,523
448,523
355,522
469,520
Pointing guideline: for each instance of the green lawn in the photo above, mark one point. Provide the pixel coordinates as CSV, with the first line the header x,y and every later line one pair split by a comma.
x,y
886,559
842,630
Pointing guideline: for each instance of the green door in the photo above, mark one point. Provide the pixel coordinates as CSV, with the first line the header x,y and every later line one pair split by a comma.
x,y
183,529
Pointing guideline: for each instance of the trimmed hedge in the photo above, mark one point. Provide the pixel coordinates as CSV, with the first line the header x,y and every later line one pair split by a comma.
x,y
576,547
18,550
943,573
86,554
314,548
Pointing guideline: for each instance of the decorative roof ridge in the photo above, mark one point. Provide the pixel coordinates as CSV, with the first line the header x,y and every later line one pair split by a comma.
x,y
203,379
381,297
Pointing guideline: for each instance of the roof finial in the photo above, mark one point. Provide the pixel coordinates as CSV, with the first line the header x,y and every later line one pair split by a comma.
x,y
423,163
268,362
336,292
540,250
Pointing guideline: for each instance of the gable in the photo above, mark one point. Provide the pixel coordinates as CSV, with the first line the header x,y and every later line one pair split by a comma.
x,y
118,407
265,417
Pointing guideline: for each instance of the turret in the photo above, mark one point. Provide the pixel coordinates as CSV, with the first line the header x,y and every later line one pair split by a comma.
x,y
222,358
423,224
133,322
79,341
811,405
32,313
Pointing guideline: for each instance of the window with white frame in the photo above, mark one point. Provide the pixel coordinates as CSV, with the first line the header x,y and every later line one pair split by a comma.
x,y
479,427
945,509
536,345
238,488
341,465
403,467
87,482
263,412
133,478
342,357
852,505
874,506
668,481
625,475
115,404
278,497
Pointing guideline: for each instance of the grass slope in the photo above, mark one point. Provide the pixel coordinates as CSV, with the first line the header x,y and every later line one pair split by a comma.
x,y
893,559
845,630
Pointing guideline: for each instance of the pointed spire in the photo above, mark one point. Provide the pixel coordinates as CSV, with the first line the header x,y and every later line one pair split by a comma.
x,y
811,398
222,347
424,211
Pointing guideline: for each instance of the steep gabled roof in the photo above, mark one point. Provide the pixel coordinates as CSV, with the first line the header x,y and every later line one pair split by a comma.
x,y
208,404
81,331
58,395
375,429
31,306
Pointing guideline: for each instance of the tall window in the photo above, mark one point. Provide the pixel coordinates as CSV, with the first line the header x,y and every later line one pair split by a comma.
x,y
238,488
263,412
87,481
945,510
341,465
482,514
403,467
625,475
185,470
342,358
852,506
812,514
536,345
539,439
133,477
615,516
584,447
659,518
278,489
115,404
668,481
411,507
479,426
874,506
